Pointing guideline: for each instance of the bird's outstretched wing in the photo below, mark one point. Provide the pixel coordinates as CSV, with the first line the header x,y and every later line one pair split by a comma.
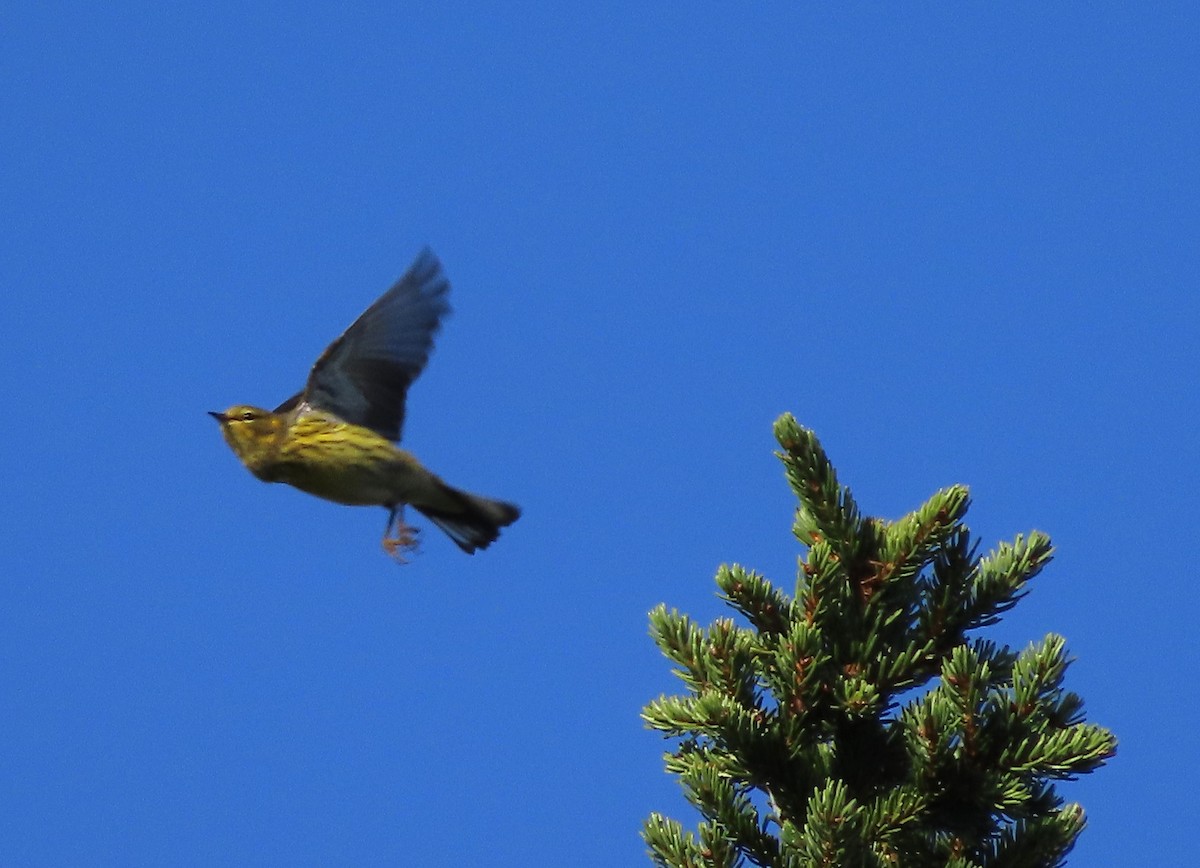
x,y
364,375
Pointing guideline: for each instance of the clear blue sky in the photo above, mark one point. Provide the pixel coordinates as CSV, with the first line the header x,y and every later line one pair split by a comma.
x,y
960,243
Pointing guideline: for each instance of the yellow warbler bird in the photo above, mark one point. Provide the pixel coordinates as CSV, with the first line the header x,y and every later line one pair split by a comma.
x,y
335,438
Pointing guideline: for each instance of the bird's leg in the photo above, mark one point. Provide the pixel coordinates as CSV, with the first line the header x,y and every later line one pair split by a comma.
x,y
405,538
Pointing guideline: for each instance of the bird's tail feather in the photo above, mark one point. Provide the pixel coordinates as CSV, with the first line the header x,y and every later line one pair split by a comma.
x,y
472,521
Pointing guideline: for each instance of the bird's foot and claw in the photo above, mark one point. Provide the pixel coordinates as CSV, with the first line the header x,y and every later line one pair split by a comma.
x,y
399,539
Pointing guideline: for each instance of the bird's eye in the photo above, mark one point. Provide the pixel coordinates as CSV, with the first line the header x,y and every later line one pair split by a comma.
x,y
248,416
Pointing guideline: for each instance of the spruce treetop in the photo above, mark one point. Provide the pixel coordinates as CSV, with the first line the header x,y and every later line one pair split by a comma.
x,y
856,722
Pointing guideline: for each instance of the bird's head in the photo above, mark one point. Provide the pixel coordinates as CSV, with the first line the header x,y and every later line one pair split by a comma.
x,y
251,432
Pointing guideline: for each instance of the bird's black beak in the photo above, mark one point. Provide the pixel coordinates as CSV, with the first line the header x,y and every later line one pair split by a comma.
x,y
220,417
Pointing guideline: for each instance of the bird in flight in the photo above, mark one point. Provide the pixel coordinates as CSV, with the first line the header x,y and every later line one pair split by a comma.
x,y
336,438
